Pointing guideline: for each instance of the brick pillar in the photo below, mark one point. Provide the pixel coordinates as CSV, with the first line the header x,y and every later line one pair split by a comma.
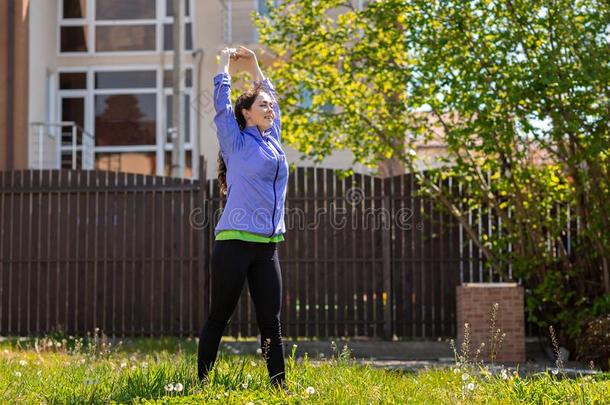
x,y
474,305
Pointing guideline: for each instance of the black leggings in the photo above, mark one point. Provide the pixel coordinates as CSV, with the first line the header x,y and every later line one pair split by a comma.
x,y
232,262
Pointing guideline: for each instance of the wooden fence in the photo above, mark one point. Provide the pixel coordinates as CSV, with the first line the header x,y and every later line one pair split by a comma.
x,y
92,249
129,254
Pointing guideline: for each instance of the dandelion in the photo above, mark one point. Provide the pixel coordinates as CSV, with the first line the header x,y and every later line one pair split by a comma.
x,y
465,376
259,351
169,387
504,374
82,361
470,386
253,363
456,370
178,387
133,368
23,363
57,344
18,374
310,390
133,358
144,364
123,364
244,386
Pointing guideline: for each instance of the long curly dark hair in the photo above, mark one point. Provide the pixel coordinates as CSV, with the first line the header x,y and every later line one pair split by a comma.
x,y
243,101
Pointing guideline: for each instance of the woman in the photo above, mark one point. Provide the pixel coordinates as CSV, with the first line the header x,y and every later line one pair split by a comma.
x,y
253,173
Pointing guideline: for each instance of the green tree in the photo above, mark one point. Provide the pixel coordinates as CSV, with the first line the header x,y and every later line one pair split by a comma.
x,y
519,90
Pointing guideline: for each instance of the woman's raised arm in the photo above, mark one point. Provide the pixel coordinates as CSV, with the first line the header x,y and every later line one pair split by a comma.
x,y
227,128
259,77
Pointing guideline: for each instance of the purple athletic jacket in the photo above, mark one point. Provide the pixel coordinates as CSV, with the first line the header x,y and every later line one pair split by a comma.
x,y
257,170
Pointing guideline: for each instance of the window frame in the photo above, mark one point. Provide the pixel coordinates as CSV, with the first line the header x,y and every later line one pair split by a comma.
x,y
91,24
160,92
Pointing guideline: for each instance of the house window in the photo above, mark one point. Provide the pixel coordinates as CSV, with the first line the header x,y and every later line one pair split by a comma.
x,y
187,117
128,111
131,162
125,10
125,38
125,119
262,7
94,26
168,37
74,9
136,79
73,81
169,8
73,39
73,110
168,26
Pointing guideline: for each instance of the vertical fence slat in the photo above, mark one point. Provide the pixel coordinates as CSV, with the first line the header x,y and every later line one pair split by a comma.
x,y
15,271
155,269
299,242
289,279
200,271
140,241
104,269
331,240
131,212
4,240
44,262
322,224
28,250
91,232
149,270
313,249
80,260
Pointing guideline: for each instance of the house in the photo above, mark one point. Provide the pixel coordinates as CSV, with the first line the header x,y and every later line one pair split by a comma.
x,y
89,83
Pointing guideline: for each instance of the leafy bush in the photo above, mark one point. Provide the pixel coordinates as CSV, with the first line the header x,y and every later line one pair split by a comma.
x,y
594,344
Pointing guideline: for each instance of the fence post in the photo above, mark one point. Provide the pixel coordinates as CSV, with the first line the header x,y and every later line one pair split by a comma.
x,y
203,274
386,240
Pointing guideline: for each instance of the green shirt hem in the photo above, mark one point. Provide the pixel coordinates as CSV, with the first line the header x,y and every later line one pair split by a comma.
x,y
248,236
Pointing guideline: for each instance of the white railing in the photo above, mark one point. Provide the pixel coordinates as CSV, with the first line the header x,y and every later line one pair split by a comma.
x,y
56,145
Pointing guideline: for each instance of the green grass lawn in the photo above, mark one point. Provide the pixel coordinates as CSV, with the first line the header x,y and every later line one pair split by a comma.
x,y
64,370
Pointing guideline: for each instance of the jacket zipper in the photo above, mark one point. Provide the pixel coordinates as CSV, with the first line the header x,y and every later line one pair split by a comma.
x,y
277,169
